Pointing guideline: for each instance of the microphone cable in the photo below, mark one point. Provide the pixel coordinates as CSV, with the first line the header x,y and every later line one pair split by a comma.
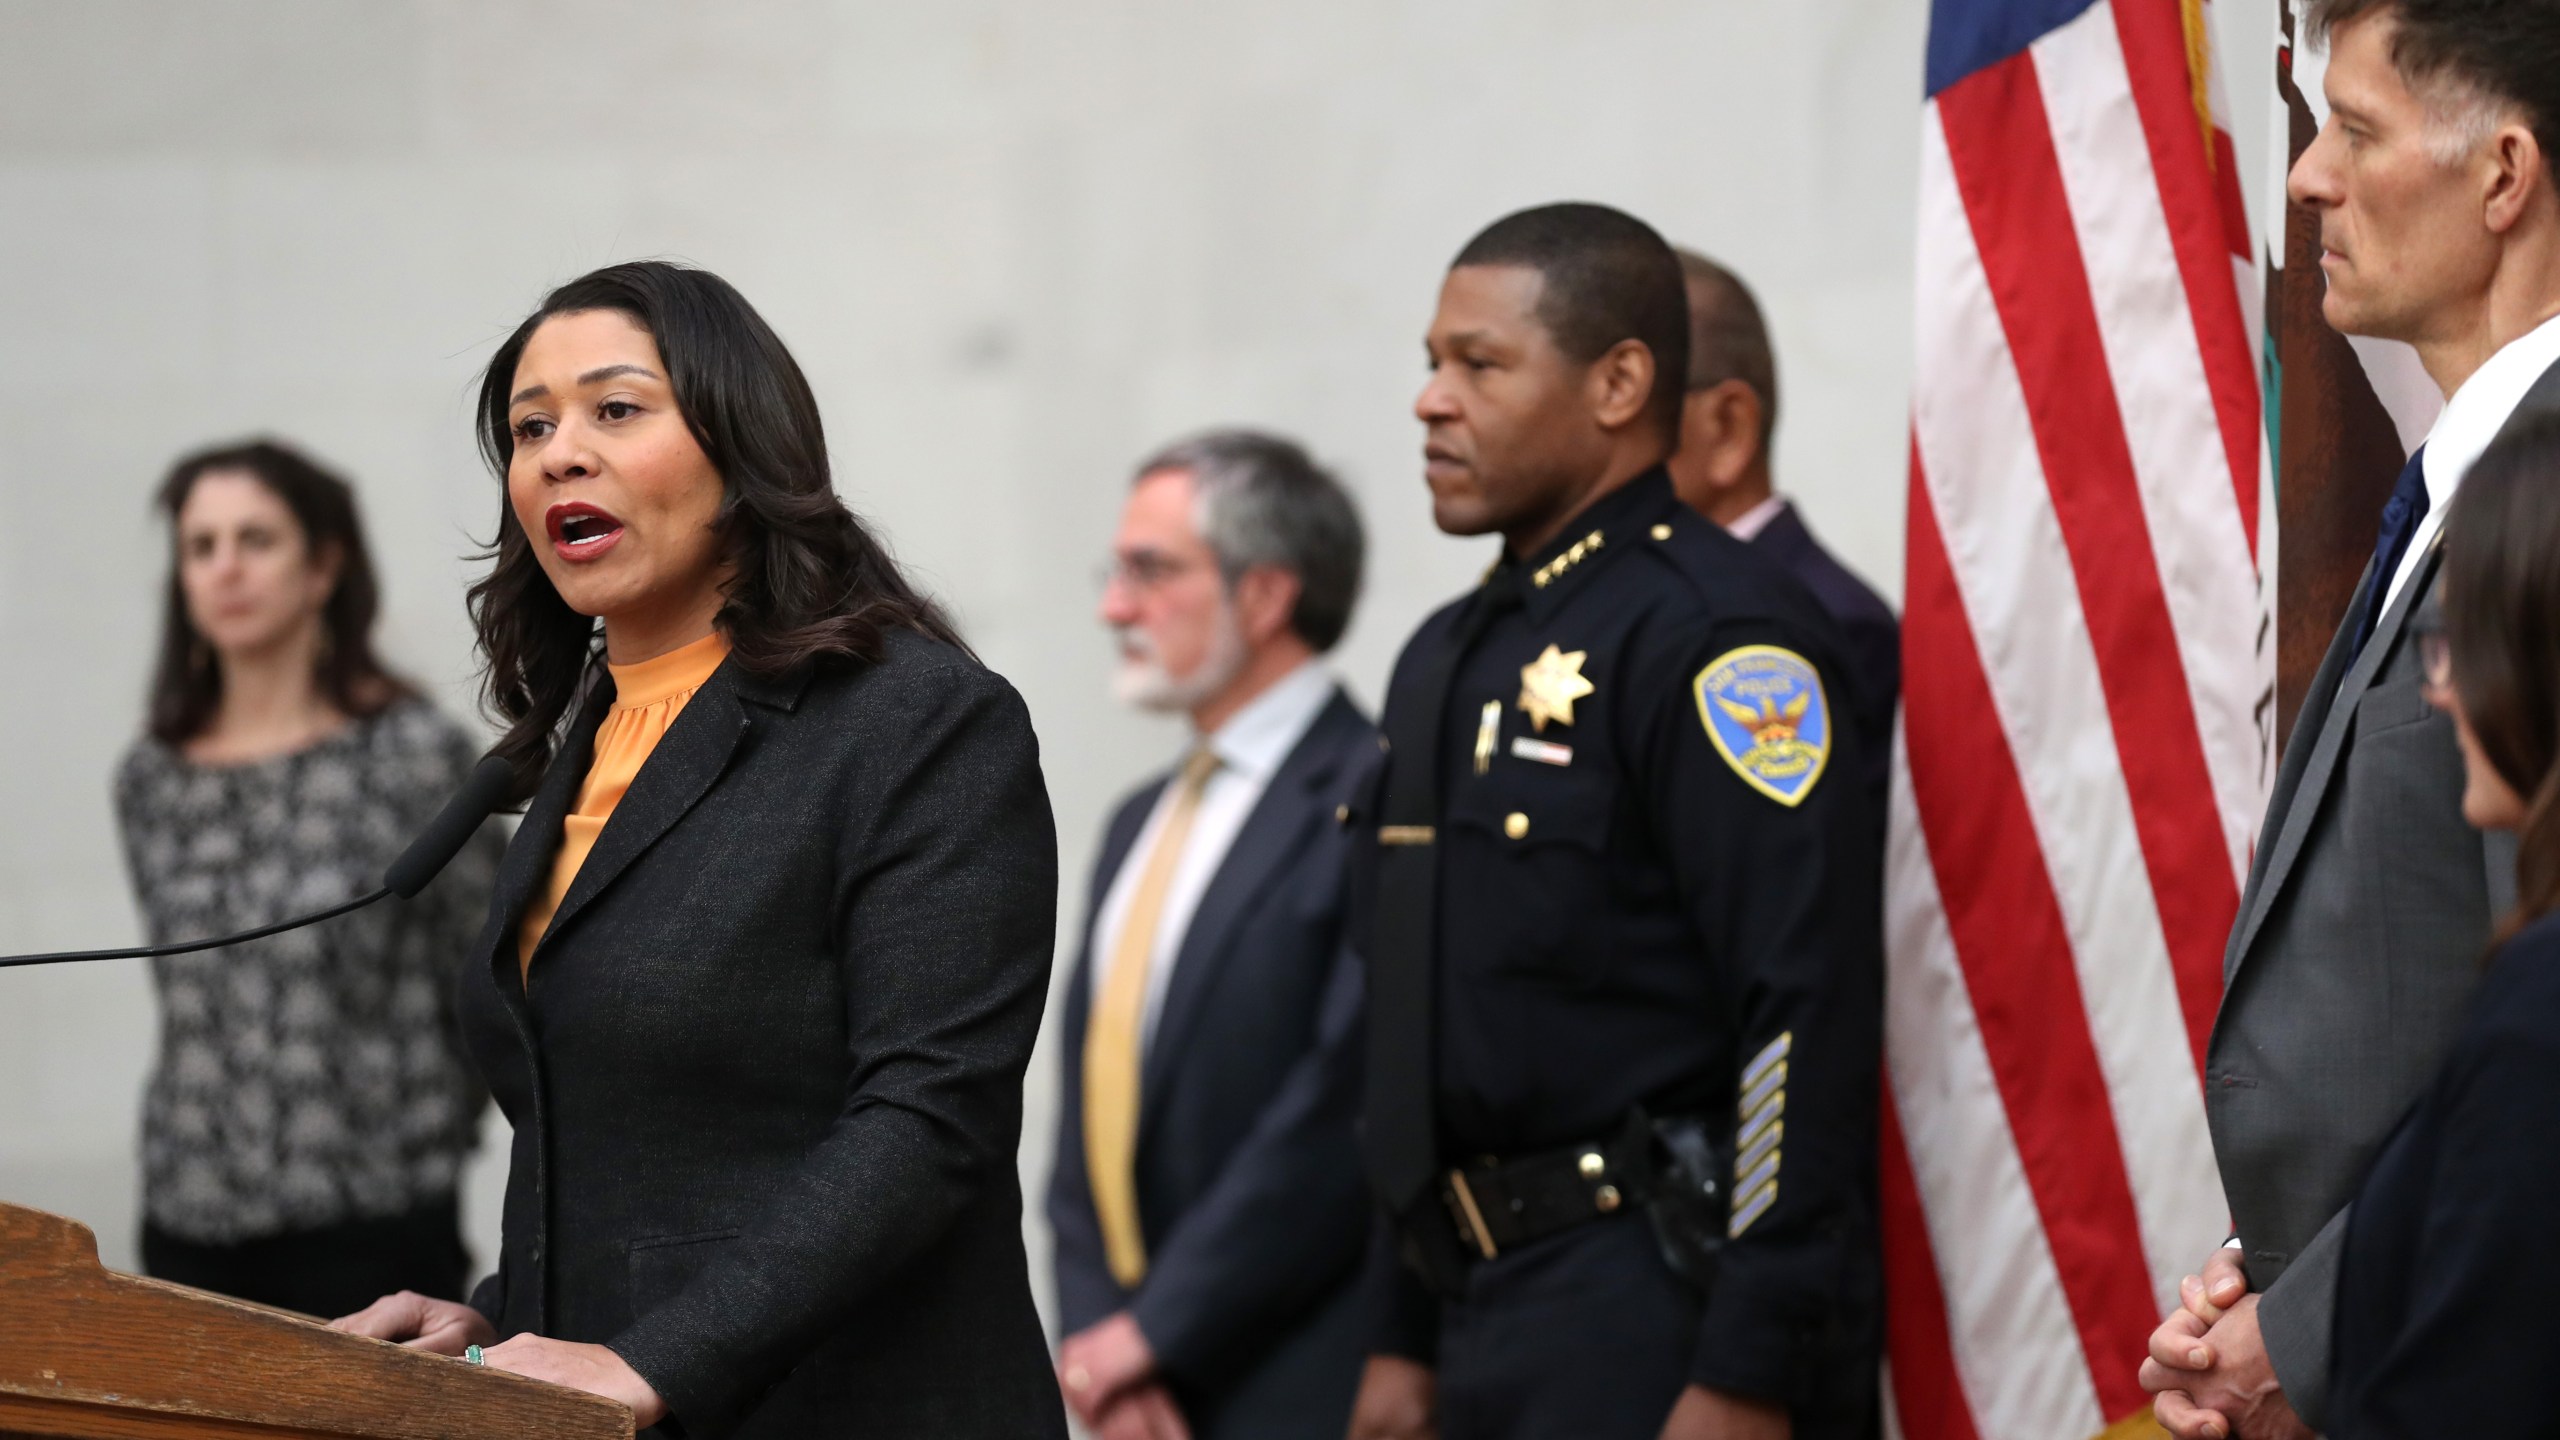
x,y
426,857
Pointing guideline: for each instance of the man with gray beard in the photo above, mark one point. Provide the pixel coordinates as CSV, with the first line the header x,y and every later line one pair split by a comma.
x,y
1208,1199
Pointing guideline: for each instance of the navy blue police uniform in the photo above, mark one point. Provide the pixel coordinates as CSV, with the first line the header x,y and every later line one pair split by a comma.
x,y
1624,955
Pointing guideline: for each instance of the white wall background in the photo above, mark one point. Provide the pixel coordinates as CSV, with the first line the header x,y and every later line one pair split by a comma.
x,y
1015,243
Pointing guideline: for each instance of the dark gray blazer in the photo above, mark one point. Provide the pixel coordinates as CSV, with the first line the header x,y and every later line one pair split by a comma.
x,y
767,1084
1250,1189
2361,934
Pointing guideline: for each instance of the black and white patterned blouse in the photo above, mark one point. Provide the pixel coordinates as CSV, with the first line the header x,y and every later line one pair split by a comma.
x,y
314,1076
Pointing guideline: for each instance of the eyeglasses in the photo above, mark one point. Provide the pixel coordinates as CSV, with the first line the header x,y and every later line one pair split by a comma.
x,y
1142,570
2435,662
2435,656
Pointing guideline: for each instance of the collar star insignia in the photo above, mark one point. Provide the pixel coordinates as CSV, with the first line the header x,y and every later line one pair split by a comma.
x,y
1550,684
1573,555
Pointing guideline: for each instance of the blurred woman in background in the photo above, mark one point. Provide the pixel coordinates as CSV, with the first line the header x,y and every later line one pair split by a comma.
x,y
2446,1280
308,1115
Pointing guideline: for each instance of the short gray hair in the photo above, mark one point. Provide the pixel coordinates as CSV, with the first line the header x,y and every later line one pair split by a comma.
x,y
1261,500
2474,66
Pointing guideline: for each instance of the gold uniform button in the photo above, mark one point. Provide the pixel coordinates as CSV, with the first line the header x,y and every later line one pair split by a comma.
x,y
1606,1197
1341,814
1592,1166
1515,824
1661,532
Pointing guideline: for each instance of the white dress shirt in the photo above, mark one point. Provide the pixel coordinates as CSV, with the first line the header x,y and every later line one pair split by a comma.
x,y
2471,419
1747,526
1250,748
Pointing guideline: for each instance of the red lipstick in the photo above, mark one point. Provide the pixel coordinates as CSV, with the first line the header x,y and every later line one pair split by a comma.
x,y
581,532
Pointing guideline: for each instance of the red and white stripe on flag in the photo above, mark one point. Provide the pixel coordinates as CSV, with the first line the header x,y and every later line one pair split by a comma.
x,y
2084,745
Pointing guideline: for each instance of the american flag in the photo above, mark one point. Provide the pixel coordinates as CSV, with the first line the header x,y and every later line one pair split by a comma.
x,y
2087,717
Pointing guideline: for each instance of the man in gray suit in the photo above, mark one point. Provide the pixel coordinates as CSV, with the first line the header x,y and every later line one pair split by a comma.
x,y
2370,902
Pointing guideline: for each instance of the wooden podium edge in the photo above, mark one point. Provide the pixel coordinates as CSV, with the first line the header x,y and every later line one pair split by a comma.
x,y
125,1355
38,1419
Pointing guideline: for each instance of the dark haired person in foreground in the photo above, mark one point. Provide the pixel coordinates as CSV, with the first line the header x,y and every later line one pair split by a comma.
x,y
2369,901
1625,972
1207,1199
770,947
2450,1263
307,1119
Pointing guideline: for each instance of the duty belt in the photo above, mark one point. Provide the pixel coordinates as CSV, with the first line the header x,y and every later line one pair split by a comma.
x,y
1501,1204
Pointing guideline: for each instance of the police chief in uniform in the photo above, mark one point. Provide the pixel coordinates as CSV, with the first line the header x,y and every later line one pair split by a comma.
x,y
1625,974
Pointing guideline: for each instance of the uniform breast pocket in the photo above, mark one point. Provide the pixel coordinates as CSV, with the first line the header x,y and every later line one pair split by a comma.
x,y
1528,876
663,1265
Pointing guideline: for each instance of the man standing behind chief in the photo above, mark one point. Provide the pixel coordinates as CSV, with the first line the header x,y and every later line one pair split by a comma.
x,y
1728,426
1208,1197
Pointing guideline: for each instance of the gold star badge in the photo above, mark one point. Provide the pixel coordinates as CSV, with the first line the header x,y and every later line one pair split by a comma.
x,y
1550,684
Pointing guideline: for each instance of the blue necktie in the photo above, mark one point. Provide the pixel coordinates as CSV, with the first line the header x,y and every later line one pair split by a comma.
x,y
2399,521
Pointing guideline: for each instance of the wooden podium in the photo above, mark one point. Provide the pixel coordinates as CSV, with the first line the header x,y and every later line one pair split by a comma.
x,y
88,1354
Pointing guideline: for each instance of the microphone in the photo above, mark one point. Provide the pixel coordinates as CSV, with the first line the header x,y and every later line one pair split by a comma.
x,y
453,827
426,857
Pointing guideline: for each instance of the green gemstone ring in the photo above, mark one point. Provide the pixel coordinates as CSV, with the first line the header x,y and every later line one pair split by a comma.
x,y
471,1356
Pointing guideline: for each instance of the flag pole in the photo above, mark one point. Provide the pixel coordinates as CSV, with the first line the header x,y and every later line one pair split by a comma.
x,y
2336,446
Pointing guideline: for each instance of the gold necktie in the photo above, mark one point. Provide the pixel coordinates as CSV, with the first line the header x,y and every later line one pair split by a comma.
x,y
1111,1037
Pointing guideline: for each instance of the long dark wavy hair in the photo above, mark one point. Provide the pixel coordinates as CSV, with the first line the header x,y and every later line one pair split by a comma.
x,y
2502,627
186,680
809,584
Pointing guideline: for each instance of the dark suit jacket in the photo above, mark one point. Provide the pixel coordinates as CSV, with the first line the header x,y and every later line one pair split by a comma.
x,y
1250,1189
2359,940
767,1084
1873,631
2451,1259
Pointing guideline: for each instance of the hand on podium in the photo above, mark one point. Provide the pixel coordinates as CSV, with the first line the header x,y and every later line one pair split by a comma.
x,y
442,1327
448,1327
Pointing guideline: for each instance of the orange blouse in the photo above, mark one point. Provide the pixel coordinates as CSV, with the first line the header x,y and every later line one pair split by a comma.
x,y
647,697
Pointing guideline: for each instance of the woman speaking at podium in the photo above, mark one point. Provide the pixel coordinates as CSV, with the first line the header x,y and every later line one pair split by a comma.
x,y
767,955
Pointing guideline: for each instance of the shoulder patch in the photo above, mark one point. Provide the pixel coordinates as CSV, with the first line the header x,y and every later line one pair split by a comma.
x,y
1764,708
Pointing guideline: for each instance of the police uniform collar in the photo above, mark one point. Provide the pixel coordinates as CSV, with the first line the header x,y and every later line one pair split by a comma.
x,y
1607,526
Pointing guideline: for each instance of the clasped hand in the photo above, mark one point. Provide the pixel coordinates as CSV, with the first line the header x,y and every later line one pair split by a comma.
x,y
444,1327
1107,1371
2208,1371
